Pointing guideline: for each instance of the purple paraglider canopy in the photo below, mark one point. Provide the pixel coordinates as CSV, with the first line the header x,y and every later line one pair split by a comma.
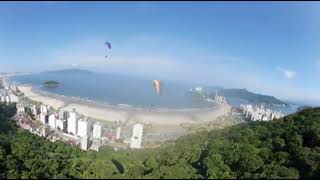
x,y
109,47
108,44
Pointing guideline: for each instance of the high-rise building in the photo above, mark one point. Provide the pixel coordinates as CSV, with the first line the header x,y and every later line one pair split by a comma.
x,y
61,124
72,123
63,114
35,110
44,109
20,107
85,142
118,134
83,127
13,98
272,116
45,131
136,138
44,118
199,89
13,87
97,130
264,117
52,121
7,99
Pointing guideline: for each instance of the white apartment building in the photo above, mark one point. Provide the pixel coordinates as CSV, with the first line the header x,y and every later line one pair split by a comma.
x,y
85,142
136,138
52,121
118,134
34,110
20,107
97,130
83,127
63,114
7,99
44,109
44,118
72,123
61,124
199,89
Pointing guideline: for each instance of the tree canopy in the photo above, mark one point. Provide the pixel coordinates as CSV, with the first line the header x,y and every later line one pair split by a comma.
x,y
282,148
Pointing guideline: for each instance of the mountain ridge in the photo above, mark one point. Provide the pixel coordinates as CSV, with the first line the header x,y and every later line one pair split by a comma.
x,y
70,70
252,97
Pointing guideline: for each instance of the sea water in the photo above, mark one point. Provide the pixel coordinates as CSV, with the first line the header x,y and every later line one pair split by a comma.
x,y
116,89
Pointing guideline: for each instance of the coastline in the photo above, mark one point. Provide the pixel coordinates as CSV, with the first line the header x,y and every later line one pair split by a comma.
x,y
161,119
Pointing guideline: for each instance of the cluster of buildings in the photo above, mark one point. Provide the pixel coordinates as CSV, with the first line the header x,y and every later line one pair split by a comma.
x,y
259,113
81,130
220,99
70,126
199,89
217,99
8,95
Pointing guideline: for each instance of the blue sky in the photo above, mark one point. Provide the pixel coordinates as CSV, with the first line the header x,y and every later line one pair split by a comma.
x,y
266,47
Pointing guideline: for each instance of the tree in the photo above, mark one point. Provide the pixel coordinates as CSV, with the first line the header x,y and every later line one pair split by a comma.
x,y
216,168
283,148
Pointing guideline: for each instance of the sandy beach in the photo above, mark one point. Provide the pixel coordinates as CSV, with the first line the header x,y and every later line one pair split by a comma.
x,y
28,92
161,119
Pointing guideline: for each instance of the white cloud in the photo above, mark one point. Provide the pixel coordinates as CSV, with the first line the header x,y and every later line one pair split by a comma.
x,y
289,74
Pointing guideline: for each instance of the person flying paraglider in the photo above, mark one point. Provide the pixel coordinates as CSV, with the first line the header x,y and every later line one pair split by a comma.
x,y
108,44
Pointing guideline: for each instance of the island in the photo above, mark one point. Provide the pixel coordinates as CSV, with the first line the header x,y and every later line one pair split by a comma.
x,y
51,84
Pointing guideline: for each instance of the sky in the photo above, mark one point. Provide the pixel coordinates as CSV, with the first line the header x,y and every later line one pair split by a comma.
x,y
266,47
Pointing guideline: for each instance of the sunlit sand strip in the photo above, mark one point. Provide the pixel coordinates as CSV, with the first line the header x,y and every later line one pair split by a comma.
x,y
27,90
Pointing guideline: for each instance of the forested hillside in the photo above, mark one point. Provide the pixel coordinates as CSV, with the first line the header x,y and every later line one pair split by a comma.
x,y
284,148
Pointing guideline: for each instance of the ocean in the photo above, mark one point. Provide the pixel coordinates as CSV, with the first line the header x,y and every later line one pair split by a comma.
x,y
116,89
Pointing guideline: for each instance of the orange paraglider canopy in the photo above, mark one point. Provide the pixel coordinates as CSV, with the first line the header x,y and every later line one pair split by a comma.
x,y
157,86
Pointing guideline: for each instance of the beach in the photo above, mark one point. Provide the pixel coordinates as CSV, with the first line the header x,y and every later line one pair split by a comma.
x,y
168,120
28,92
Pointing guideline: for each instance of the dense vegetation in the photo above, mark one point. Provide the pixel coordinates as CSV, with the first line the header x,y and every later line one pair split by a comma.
x,y
303,107
284,148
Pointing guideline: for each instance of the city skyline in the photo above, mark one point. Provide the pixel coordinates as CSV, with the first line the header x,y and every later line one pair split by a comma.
x,y
266,47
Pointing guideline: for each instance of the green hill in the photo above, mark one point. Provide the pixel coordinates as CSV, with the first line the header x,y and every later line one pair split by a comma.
x,y
283,148
51,84
252,98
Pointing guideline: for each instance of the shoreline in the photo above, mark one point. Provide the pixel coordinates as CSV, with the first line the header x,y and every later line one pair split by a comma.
x,y
116,106
160,118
